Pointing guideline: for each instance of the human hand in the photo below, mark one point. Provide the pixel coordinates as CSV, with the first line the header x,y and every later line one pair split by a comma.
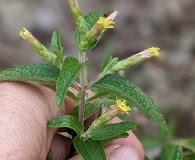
x,y
25,109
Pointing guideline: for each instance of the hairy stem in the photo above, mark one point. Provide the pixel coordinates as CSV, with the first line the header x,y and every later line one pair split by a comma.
x,y
83,81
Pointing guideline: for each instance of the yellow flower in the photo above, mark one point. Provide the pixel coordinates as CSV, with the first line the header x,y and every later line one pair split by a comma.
x,y
122,106
154,51
119,107
105,23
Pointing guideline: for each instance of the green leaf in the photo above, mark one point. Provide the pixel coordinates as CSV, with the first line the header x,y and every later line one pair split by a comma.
x,y
106,141
111,130
121,87
190,156
90,19
70,70
188,143
57,49
178,154
108,64
66,121
146,158
72,96
49,156
41,72
167,152
56,43
90,108
89,149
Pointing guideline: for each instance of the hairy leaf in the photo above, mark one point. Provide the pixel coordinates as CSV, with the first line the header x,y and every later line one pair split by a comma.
x,y
121,87
92,108
89,149
72,96
66,121
178,154
41,72
56,43
112,130
70,70
106,141
108,64
57,49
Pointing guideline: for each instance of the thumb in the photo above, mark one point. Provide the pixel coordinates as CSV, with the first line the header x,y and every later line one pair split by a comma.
x,y
121,152
117,152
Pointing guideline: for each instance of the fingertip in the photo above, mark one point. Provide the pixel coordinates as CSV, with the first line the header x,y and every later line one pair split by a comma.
x,y
121,152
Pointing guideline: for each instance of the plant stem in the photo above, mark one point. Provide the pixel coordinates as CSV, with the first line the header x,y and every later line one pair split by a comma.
x,y
83,81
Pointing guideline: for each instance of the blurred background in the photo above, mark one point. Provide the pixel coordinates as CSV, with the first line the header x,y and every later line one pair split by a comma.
x,y
169,24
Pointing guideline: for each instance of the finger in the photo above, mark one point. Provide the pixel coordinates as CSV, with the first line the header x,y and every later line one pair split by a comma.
x,y
25,109
122,152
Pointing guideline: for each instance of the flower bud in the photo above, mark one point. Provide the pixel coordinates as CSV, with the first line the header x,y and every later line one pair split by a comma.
x,y
27,36
135,59
37,46
75,8
79,19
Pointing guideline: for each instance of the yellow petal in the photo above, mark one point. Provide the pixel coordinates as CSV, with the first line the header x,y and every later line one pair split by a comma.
x,y
105,23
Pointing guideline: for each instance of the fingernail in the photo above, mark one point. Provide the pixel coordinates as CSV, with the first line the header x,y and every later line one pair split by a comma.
x,y
122,152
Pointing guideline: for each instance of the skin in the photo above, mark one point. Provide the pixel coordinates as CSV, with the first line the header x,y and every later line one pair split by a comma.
x,y
25,109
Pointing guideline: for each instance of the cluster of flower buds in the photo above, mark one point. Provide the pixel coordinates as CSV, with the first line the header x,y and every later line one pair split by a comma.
x,y
90,37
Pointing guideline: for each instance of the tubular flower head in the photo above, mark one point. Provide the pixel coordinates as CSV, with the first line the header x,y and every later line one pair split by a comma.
x,y
154,51
136,59
27,36
122,106
37,46
105,23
